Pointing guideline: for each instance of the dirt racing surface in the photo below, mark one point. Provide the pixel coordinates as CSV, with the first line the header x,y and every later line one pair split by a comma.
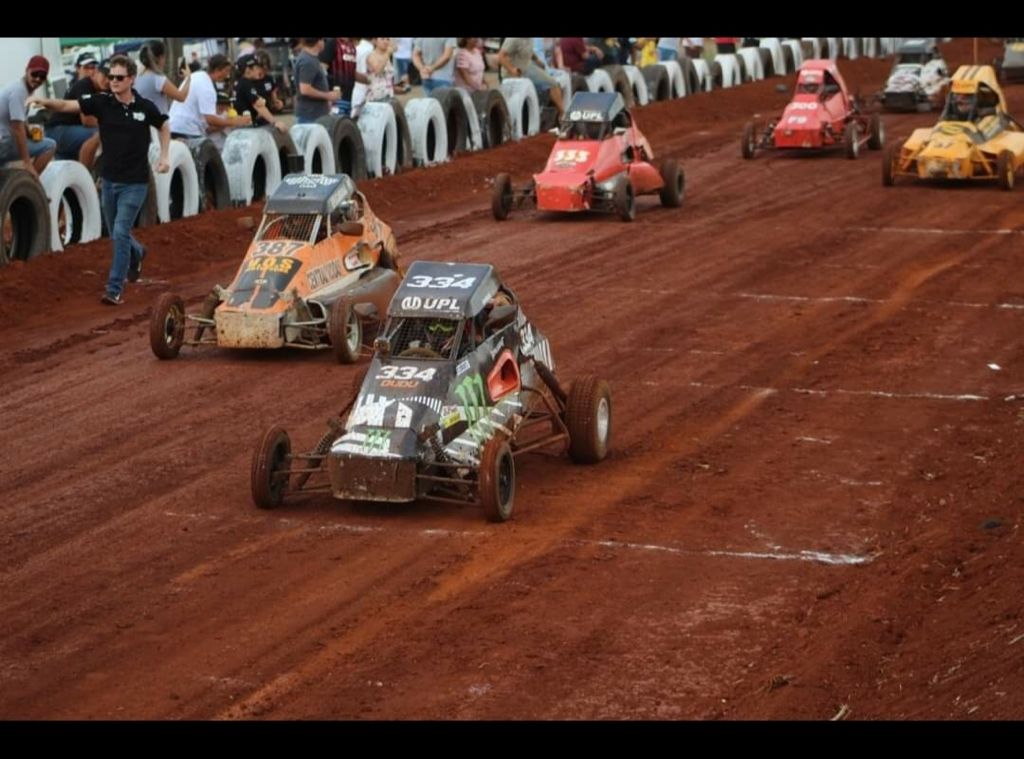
x,y
812,507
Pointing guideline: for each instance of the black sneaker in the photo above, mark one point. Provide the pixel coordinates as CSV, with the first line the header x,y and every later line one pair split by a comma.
x,y
112,300
135,267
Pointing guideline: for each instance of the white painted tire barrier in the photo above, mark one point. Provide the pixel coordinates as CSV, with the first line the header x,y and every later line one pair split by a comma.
x,y
752,60
676,82
599,81
244,151
564,79
798,54
380,138
703,74
774,46
523,106
637,84
851,47
428,131
314,145
70,184
475,139
833,47
182,165
730,70
869,47
815,47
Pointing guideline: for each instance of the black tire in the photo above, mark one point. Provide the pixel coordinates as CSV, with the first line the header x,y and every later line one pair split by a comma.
x,y
404,148
214,191
620,82
851,140
24,216
625,200
876,132
267,484
345,331
788,62
749,145
716,75
455,117
588,416
1005,170
741,64
167,326
284,146
70,217
889,158
767,62
690,76
659,86
674,191
497,480
347,141
495,122
501,197
579,84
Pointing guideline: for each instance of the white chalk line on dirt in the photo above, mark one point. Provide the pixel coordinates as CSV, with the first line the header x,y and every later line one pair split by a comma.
x,y
820,557
935,231
822,440
857,299
836,391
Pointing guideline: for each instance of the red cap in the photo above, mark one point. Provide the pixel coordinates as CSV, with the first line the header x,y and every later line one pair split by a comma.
x,y
38,63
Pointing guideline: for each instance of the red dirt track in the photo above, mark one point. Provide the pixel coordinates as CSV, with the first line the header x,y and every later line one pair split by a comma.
x,y
813,499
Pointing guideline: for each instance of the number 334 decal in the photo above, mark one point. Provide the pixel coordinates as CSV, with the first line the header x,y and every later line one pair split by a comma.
x,y
406,373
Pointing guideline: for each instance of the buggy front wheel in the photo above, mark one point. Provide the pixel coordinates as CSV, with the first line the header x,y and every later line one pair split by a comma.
x,y
501,197
167,326
269,479
588,416
497,480
345,331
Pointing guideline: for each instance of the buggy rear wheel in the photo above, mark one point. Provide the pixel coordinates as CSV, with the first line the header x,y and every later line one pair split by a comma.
x,y
851,140
269,480
876,132
501,197
167,326
749,145
892,154
345,331
624,201
588,415
675,183
497,480
1004,170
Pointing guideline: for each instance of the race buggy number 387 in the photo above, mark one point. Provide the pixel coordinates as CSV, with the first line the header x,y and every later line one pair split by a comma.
x,y
460,385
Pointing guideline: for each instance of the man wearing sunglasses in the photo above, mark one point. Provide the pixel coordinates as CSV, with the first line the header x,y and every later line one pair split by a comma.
x,y
125,118
15,142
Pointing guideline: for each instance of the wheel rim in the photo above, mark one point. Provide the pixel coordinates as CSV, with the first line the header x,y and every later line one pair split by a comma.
x,y
172,323
352,332
604,418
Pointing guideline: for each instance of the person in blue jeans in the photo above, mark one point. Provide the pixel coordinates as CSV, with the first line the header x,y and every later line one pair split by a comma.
x,y
124,118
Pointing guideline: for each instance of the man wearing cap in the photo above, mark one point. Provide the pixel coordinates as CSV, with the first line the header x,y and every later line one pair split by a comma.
x,y
77,136
15,141
249,93
125,118
198,114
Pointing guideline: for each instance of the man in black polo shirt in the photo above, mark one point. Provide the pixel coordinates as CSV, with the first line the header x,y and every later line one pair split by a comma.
x,y
124,119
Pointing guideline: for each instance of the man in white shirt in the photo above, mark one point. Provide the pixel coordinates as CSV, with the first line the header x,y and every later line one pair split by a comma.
x,y
198,114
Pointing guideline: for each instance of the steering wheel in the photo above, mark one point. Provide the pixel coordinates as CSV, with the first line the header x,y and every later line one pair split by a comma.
x,y
420,352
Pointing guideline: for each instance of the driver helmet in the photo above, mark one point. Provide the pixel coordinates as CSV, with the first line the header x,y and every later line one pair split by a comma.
x,y
441,335
962,104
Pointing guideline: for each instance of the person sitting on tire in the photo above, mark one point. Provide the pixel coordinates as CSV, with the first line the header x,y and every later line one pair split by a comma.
x,y
579,57
517,56
78,138
15,140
